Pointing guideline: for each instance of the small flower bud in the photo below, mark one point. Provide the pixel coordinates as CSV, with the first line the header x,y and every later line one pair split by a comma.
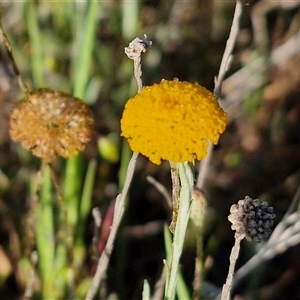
x,y
198,208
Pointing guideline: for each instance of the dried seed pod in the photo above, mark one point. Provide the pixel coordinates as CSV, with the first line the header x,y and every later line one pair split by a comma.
x,y
252,219
51,123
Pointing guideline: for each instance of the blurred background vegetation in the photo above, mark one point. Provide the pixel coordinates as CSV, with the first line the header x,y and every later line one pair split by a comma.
x,y
258,155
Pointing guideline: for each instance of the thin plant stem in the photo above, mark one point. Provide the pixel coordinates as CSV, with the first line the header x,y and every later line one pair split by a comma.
x,y
64,234
227,56
198,266
134,51
204,164
31,237
71,188
225,64
118,214
86,198
233,258
84,210
8,50
73,170
45,235
82,62
36,56
98,222
162,189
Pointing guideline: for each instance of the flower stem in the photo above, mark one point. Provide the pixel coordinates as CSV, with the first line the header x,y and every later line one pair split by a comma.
x,y
45,235
186,179
233,258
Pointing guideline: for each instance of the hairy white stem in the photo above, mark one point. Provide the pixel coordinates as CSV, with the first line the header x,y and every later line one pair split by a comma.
x,y
133,51
233,258
225,64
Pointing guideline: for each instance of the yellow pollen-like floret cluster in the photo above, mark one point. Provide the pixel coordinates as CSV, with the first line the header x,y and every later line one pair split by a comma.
x,y
51,124
172,121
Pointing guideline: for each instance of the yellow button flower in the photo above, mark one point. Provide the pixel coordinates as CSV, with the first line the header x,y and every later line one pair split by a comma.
x,y
51,124
172,121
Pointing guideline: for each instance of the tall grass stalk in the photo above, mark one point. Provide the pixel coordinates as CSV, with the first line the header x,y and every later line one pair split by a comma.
x,y
44,228
36,57
81,65
84,211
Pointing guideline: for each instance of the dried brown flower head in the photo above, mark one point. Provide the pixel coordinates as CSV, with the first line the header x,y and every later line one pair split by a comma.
x,y
51,123
251,219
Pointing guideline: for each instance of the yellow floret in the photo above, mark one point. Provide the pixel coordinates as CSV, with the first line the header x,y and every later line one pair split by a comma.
x,y
172,121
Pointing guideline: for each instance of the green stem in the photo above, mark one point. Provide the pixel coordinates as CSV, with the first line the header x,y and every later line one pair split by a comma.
x,y
45,236
187,180
71,188
199,269
85,44
125,159
36,45
84,210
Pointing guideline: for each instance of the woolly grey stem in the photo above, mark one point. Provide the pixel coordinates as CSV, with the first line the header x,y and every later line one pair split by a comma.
x,y
118,214
133,51
227,56
233,258
162,189
225,64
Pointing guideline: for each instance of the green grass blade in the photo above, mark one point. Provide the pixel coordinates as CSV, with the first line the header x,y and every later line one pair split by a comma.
x,y
126,154
84,211
87,193
86,43
45,236
35,44
73,175
72,188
